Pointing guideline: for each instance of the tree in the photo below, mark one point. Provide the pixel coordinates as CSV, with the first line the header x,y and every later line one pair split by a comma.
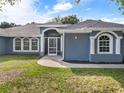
x,y
72,19
7,25
57,19
120,4
4,2
77,1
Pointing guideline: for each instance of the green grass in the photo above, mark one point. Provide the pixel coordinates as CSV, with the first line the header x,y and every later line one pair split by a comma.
x,y
38,79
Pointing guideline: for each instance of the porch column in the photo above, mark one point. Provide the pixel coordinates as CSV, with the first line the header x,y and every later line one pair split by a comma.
x,y
42,45
63,46
61,43
118,45
92,45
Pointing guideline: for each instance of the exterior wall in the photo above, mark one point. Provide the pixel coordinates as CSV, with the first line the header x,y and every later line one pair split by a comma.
x,y
12,52
74,49
122,47
77,49
3,46
107,58
110,58
6,46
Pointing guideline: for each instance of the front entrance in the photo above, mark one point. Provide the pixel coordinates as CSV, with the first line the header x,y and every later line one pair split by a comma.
x,y
52,43
52,46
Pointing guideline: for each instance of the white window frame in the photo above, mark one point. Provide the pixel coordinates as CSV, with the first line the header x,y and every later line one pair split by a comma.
x,y
37,45
14,43
22,45
110,45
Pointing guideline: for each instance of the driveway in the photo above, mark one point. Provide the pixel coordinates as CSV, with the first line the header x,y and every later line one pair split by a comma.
x,y
56,62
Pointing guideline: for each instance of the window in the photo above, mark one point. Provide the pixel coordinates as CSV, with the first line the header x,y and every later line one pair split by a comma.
x,y
105,43
26,44
17,44
34,43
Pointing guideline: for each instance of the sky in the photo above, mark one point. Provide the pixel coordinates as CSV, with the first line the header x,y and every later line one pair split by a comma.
x,y
42,11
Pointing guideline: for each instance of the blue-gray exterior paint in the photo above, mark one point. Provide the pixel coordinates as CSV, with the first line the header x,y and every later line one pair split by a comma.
x,y
106,57
109,58
122,47
6,46
3,45
77,49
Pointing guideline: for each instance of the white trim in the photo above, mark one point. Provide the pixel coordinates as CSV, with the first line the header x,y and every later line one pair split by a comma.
x,y
51,37
14,43
92,45
42,43
110,46
63,52
107,32
76,30
43,38
22,45
37,43
61,40
47,29
56,39
118,46
107,29
52,25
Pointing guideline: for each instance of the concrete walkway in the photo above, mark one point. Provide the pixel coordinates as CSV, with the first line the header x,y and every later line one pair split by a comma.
x,y
56,62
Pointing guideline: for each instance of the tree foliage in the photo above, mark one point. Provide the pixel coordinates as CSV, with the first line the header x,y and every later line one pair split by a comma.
x,y
120,4
7,25
4,2
77,1
72,19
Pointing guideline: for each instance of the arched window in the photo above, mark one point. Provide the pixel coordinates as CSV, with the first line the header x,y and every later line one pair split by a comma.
x,y
17,43
26,44
34,44
105,44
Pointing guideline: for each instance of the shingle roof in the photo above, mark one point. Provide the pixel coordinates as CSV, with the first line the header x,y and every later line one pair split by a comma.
x,y
34,30
26,30
52,23
95,24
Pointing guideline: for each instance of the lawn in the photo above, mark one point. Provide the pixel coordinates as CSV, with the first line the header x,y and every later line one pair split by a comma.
x,y
22,74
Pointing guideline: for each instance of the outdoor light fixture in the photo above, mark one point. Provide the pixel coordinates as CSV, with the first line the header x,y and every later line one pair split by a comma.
x,y
75,37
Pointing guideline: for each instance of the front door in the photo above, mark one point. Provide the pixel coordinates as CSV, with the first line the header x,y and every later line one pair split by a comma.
x,y
52,46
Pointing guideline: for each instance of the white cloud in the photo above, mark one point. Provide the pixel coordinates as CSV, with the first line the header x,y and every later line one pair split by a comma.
x,y
62,7
23,12
116,20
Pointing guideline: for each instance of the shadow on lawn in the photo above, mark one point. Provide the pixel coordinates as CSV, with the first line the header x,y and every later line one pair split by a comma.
x,y
116,74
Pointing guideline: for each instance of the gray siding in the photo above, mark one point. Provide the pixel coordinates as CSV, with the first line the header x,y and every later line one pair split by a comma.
x,y
77,49
122,47
6,46
107,58
9,45
2,45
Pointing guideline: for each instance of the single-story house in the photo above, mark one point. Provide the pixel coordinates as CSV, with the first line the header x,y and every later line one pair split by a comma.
x,y
90,40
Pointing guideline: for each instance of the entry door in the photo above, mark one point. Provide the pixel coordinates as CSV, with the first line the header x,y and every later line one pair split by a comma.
x,y
52,46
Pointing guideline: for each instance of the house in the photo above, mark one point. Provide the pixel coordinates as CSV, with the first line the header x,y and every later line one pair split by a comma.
x,y
90,40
